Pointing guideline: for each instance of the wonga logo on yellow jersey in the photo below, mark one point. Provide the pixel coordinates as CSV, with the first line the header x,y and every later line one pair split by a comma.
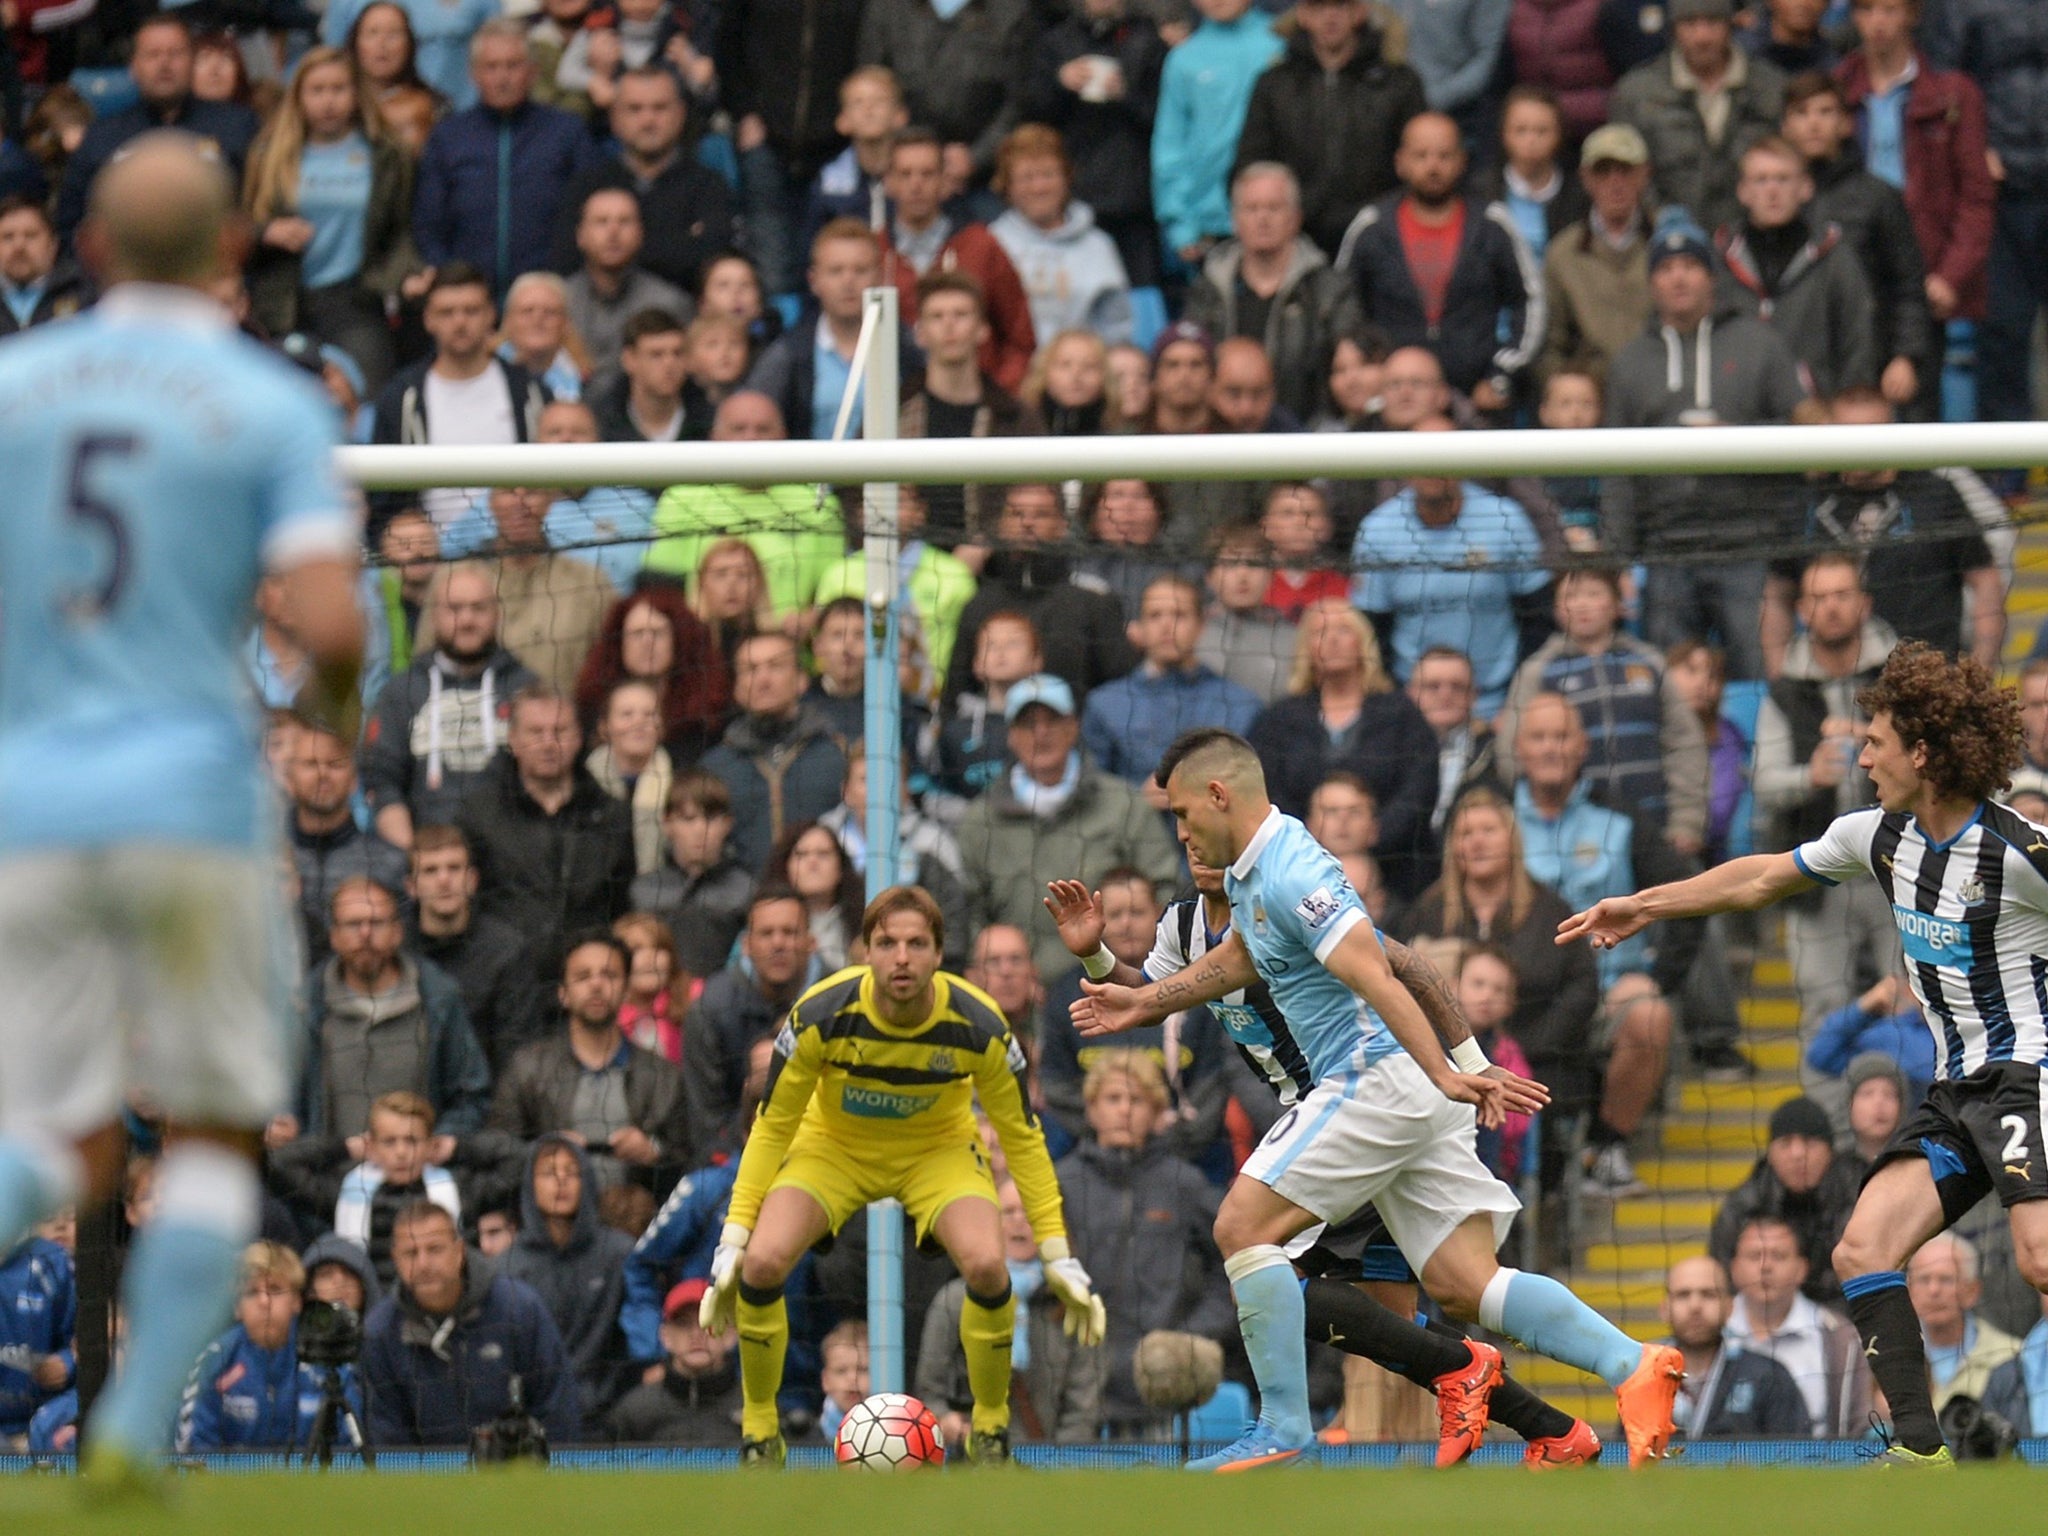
x,y
874,1104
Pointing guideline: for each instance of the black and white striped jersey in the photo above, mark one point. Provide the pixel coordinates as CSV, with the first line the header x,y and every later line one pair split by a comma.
x,y
1973,918
1249,1017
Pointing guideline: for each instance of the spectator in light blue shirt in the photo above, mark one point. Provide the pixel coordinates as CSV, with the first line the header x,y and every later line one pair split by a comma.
x,y
1451,564
1128,724
611,526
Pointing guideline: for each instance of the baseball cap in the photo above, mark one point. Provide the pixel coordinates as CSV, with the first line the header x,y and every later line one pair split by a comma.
x,y
1616,142
1801,1117
1183,330
1679,236
683,1296
1039,688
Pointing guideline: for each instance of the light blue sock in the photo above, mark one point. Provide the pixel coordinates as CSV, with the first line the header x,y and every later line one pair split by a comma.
x,y
1552,1321
1272,1318
31,1189
178,1293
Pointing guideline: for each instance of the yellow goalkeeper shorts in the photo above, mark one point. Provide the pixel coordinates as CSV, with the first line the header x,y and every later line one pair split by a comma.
x,y
844,1176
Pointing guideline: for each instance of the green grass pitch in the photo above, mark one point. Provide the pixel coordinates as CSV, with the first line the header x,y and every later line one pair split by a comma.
x,y
1734,1501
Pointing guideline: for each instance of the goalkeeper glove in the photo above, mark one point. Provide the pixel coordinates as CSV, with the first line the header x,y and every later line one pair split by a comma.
x,y
1086,1320
715,1311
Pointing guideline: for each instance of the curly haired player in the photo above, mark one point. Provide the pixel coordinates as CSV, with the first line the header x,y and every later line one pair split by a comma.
x,y
1968,882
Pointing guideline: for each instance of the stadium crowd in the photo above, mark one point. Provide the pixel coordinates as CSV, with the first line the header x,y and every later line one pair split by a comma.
x,y
606,819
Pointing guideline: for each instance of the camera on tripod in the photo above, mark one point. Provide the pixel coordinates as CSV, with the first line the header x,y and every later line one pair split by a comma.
x,y
330,1339
514,1435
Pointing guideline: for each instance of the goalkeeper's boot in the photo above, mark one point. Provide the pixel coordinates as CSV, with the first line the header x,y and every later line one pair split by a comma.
x,y
988,1448
1646,1401
1461,1399
1899,1456
1578,1447
110,1475
1255,1450
772,1452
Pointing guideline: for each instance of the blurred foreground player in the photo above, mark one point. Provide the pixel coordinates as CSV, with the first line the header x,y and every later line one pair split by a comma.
x,y
1967,879
157,466
870,1098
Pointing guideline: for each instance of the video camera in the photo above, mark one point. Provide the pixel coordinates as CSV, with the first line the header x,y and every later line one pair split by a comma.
x,y
330,1334
514,1435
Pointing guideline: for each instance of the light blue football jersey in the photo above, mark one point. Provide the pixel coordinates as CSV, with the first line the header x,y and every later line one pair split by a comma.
x,y
1290,903
153,463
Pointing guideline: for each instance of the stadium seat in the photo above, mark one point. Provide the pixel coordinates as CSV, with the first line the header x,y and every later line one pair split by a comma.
x,y
1225,1416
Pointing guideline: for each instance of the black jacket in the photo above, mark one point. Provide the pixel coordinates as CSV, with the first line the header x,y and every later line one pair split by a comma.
x,y
402,762
1748,1397
536,1095
548,875
1816,1218
706,912
325,859
1567,207
1109,142
682,1410
1080,630
962,76
582,1283
685,212
1494,276
66,292
231,129
787,370
1337,130
1820,301
1873,219
1391,747
784,59
730,1015
491,965
780,772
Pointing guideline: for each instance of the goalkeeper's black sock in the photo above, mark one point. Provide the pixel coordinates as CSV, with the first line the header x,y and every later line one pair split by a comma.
x,y
1345,1318
1514,1405
1898,1359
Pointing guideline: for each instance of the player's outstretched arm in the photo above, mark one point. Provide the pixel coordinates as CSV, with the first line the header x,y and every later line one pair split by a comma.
x,y
1740,885
1106,1008
1077,913
1361,964
1432,993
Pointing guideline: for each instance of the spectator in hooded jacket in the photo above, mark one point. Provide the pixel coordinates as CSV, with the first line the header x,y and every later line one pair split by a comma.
x,y
1269,282
1699,105
466,207
1331,109
575,1264
1801,278
1095,80
1163,1271
1876,226
440,1355
1922,130
921,238
1204,92
554,852
1071,272
1436,268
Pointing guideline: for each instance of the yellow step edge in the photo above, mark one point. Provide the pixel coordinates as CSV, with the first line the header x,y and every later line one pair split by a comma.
x,y
1713,1174
1766,1012
1627,1258
1735,1098
1662,1217
1771,971
1745,1133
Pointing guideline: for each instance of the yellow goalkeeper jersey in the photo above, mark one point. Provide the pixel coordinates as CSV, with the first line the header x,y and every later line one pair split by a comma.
x,y
844,1071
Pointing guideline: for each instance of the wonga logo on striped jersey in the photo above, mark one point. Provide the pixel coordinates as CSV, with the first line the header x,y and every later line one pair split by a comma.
x,y
1931,940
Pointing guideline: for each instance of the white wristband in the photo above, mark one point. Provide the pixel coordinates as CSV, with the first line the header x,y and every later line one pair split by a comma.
x,y
1467,1057
1099,964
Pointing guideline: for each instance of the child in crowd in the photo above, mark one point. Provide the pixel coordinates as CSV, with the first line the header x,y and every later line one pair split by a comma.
x,y
1700,675
1358,369
625,35
38,1312
1129,387
1242,637
732,286
715,358
844,1378
871,113
548,36
1572,403
700,891
1070,386
657,995
972,750
1540,195
394,1171
1296,523
1486,996
1125,516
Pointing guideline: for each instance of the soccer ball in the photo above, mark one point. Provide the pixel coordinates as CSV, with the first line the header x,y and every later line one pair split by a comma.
x,y
888,1432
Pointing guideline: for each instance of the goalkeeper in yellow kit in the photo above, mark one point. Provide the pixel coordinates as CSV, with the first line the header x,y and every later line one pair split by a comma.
x,y
870,1098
